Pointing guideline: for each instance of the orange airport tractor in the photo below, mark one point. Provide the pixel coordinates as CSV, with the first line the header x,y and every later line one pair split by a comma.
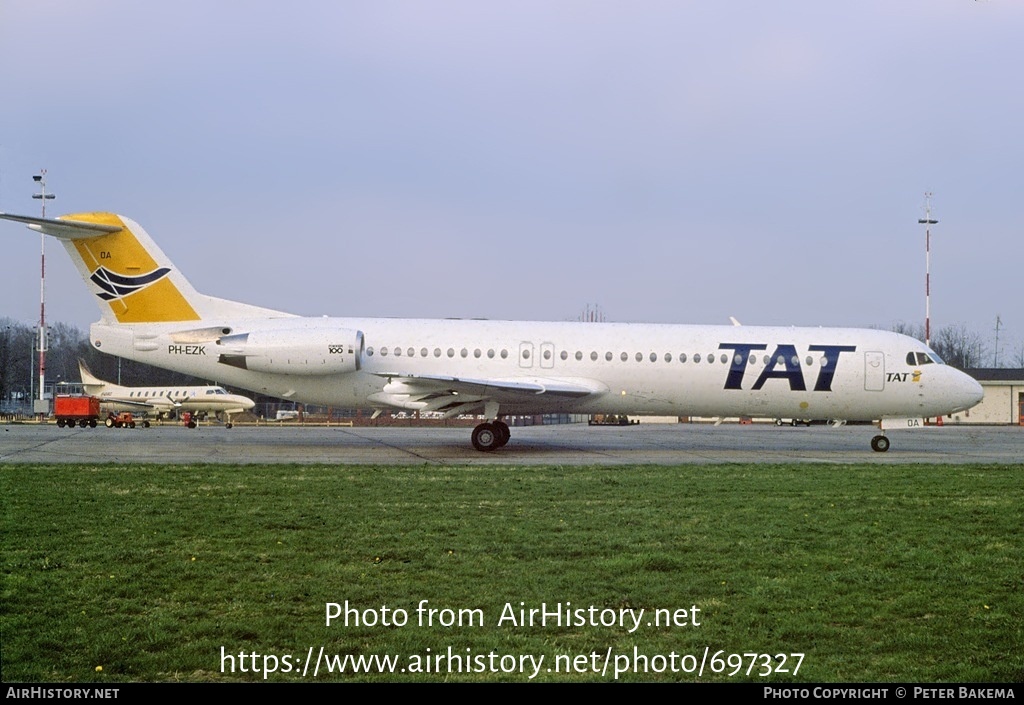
x,y
123,419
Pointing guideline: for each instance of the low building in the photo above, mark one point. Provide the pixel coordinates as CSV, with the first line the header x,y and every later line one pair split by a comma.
x,y
1004,397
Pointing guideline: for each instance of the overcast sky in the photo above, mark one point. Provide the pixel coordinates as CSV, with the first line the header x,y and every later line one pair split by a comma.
x,y
668,161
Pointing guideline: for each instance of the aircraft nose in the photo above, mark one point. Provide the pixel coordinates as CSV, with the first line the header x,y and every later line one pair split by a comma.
x,y
969,391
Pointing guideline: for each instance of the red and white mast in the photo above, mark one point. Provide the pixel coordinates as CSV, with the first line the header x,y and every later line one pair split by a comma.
x,y
40,179
927,221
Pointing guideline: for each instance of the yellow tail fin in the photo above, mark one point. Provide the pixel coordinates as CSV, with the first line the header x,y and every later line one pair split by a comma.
x,y
129,272
130,276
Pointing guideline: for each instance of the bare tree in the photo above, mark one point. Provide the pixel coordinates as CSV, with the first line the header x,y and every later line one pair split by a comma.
x,y
959,347
1018,358
911,329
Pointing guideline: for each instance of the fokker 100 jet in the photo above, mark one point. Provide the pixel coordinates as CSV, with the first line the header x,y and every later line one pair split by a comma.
x,y
164,400
151,313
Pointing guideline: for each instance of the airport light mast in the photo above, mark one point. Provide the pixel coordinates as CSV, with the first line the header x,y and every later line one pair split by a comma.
x,y
42,407
927,221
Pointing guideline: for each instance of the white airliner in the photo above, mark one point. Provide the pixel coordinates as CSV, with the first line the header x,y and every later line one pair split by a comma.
x,y
151,313
166,400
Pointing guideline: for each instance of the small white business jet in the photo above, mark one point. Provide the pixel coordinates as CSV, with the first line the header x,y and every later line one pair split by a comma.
x,y
151,313
163,400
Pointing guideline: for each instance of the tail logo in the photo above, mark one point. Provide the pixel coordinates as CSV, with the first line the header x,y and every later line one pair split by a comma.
x,y
117,286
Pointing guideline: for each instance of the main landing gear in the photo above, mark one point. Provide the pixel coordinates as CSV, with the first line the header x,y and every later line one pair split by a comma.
x,y
879,444
491,435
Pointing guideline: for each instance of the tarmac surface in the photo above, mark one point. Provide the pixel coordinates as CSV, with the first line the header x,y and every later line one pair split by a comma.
x,y
571,444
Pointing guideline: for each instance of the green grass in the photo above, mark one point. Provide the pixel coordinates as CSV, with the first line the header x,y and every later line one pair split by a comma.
x,y
895,573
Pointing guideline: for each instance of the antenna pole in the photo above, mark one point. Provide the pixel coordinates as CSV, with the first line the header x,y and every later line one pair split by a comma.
x,y
995,355
43,196
927,222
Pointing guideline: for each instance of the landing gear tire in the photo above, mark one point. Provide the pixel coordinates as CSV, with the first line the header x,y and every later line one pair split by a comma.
x,y
486,437
503,432
228,425
879,444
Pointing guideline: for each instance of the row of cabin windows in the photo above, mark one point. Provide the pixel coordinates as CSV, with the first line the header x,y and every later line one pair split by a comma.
x,y
608,356
157,393
179,393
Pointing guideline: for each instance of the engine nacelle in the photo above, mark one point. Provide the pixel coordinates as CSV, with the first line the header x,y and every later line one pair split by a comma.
x,y
296,351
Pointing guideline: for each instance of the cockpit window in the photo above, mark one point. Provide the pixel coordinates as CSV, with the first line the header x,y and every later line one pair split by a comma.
x,y
915,359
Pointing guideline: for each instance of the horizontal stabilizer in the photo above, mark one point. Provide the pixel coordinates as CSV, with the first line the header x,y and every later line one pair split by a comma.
x,y
63,229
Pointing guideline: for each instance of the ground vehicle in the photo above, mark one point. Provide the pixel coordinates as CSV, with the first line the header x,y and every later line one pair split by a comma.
x,y
793,422
120,420
76,408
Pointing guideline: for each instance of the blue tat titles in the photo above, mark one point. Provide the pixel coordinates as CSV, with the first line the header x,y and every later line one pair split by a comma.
x,y
790,370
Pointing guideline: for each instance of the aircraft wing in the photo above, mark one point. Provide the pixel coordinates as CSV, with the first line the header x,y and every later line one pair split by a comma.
x,y
152,403
117,403
460,395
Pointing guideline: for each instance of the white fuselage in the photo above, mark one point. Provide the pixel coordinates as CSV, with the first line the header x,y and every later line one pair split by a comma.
x,y
819,373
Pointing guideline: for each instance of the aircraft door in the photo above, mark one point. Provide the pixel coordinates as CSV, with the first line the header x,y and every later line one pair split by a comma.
x,y
547,355
874,371
526,354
